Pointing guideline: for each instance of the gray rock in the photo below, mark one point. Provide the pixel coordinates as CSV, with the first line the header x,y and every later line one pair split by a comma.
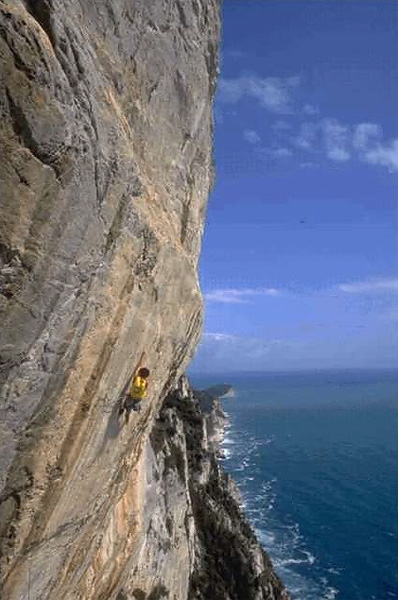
x,y
105,169
194,519
106,165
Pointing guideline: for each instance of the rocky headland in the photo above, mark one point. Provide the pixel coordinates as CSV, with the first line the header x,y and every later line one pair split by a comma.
x,y
105,170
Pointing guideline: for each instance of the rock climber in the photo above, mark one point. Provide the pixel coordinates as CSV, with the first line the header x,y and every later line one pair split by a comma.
x,y
136,393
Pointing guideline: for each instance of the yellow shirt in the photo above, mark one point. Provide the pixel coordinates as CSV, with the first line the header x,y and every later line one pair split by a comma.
x,y
138,388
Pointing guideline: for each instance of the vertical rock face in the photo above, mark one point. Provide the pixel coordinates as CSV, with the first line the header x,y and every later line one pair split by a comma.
x,y
105,169
198,545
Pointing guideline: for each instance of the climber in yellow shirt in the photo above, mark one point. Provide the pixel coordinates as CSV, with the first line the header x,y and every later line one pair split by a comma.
x,y
136,393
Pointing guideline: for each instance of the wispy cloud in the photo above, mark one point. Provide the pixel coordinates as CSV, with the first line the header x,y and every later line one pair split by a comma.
x,y
328,137
366,136
281,126
368,141
225,352
308,165
251,136
386,156
336,139
307,137
273,93
374,286
340,142
239,295
219,337
248,295
254,342
249,348
278,153
311,110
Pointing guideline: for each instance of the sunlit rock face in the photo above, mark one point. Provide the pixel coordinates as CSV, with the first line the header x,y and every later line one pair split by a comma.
x,y
198,544
105,170
106,166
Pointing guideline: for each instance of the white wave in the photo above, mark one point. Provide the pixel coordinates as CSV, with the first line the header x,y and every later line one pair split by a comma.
x,y
284,543
228,441
290,561
266,538
295,534
285,547
266,486
310,557
269,440
330,594
300,587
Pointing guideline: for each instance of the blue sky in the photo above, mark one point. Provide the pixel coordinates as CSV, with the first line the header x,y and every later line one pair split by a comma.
x,y
299,263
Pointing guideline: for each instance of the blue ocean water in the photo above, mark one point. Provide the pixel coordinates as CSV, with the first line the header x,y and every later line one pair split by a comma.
x,y
316,459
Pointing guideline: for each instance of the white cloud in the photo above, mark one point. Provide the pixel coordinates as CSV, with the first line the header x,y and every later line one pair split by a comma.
x,y
251,136
238,296
308,165
254,139
374,286
279,152
366,136
310,109
281,126
336,139
367,140
307,136
219,337
237,348
386,156
231,90
248,295
273,93
340,142
225,352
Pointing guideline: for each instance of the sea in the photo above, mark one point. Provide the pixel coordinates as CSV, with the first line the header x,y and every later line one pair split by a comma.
x,y
315,456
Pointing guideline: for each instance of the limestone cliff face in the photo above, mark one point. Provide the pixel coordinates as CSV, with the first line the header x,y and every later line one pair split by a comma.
x,y
106,165
197,544
105,170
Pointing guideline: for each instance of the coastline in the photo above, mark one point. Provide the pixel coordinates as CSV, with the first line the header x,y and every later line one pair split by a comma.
x,y
294,446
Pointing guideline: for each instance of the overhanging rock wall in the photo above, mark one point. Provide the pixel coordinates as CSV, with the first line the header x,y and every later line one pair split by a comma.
x,y
105,170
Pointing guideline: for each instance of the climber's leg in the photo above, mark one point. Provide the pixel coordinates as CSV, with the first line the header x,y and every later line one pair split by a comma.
x,y
128,407
121,408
